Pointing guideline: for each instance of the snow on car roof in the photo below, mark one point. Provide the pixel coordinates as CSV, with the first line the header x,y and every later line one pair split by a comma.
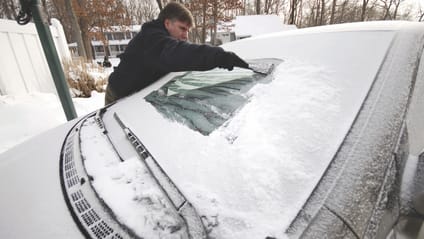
x,y
254,25
355,26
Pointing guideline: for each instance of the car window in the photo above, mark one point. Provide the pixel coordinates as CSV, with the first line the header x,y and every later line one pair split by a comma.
x,y
203,101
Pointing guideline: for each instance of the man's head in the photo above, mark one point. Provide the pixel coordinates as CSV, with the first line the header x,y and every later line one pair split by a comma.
x,y
177,20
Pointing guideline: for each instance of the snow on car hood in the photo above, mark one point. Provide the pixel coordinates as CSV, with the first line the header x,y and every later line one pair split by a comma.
x,y
282,140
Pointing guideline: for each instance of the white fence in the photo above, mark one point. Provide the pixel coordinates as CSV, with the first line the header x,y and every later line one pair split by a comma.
x,y
23,65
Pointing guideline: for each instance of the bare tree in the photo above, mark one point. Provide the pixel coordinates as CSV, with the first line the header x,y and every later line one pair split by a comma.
x,y
141,11
160,5
76,30
390,9
207,15
321,20
9,9
293,11
386,5
396,6
333,11
273,6
421,15
97,16
258,6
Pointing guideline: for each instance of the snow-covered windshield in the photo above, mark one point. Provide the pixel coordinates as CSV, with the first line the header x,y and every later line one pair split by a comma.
x,y
206,100
247,174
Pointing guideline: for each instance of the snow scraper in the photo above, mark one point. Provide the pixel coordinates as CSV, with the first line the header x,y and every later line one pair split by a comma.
x,y
261,68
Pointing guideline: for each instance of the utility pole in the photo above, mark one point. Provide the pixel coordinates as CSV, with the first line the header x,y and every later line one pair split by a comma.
x,y
33,8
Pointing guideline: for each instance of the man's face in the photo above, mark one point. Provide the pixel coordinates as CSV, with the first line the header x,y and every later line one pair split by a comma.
x,y
177,29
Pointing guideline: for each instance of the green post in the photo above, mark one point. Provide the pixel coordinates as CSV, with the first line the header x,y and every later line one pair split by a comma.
x,y
43,29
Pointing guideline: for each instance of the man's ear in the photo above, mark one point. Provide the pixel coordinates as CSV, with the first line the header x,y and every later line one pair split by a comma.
x,y
167,23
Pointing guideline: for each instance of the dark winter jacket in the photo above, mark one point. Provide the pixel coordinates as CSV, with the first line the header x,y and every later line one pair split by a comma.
x,y
153,53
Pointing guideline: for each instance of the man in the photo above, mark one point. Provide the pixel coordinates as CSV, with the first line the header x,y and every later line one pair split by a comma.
x,y
161,47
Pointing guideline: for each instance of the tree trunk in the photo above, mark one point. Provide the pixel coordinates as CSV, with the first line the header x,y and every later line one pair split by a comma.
x,y
267,6
215,21
292,18
321,21
387,10
333,11
85,35
85,32
258,6
203,21
397,3
299,22
160,4
317,14
364,9
244,8
76,31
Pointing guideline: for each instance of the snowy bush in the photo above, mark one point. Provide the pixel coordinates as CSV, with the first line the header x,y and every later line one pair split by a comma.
x,y
84,77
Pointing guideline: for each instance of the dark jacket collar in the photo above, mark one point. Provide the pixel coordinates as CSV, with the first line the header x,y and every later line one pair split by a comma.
x,y
154,25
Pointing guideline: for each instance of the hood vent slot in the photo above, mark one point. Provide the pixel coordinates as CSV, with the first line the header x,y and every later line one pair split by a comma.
x,y
90,213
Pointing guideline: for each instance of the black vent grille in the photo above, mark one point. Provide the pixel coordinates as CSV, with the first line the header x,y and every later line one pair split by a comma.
x,y
91,218
116,236
101,230
82,205
71,174
72,181
77,195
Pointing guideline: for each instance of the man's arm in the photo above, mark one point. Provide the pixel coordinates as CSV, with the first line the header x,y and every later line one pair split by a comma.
x,y
175,55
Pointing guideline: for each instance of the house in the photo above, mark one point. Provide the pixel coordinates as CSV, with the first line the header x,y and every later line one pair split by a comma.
x,y
117,39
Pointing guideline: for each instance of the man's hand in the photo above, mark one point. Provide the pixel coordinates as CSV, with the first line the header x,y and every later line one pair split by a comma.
x,y
229,60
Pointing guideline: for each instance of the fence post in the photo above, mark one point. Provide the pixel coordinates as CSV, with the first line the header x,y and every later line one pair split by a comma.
x,y
34,8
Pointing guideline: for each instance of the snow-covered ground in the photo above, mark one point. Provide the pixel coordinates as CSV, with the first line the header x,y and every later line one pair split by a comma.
x,y
27,115
24,116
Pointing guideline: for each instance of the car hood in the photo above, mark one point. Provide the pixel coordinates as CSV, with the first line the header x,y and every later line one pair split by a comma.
x,y
32,204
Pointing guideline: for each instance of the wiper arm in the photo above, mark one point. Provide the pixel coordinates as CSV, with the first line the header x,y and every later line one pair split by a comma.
x,y
184,208
98,118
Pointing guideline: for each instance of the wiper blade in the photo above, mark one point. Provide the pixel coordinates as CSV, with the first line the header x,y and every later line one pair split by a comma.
x,y
98,118
184,208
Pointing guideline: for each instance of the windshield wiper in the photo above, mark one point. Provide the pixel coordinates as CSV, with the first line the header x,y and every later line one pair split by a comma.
x,y
98,118
184,208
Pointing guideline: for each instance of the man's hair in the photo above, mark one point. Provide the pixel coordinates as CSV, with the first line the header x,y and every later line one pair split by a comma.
x,y
176,11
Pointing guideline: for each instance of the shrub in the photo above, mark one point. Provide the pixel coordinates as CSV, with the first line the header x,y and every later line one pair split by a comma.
x,y
84,77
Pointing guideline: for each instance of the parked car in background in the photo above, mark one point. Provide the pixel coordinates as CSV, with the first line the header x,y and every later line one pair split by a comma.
x,y
329,144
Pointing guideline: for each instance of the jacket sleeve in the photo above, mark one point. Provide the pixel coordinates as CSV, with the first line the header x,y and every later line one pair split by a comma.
x,y
168,54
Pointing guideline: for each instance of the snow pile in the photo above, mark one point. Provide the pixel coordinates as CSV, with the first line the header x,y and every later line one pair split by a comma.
x,y
24,116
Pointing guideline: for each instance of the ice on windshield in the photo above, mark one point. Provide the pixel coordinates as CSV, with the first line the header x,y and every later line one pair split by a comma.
x,y
206,100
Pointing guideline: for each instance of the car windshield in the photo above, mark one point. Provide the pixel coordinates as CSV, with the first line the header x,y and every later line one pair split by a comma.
x,y
246,150
204,101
